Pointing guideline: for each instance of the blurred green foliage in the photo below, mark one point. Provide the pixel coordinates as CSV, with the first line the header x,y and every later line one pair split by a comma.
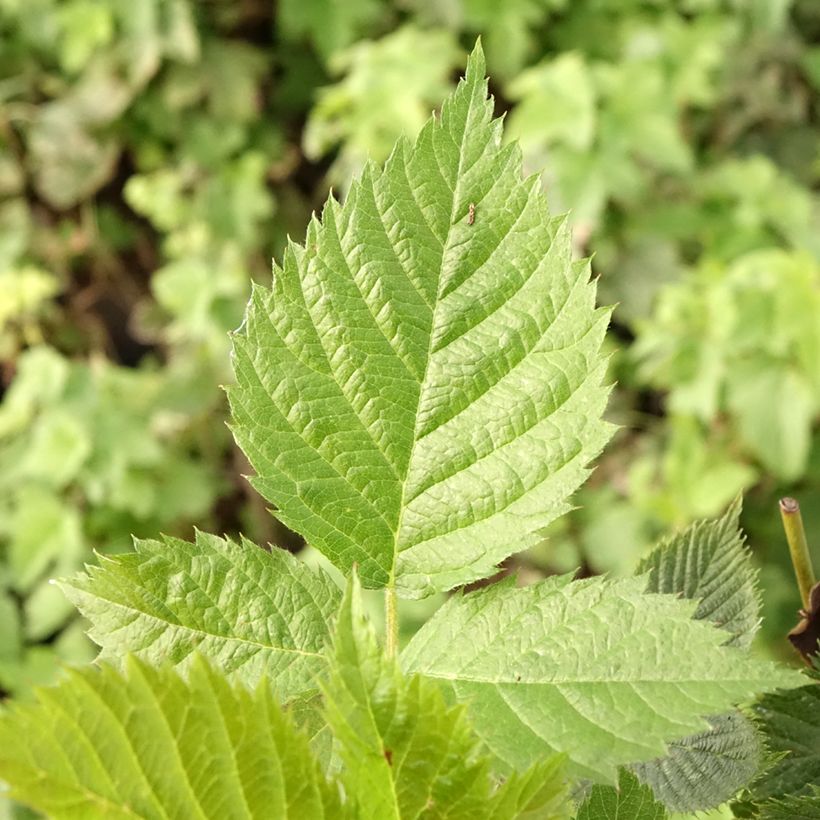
x,y
155,155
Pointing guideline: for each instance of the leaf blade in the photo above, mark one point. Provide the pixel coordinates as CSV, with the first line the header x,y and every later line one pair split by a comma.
x,y
405,753
251,612
420,392
709,563
630,799
595,669
147,743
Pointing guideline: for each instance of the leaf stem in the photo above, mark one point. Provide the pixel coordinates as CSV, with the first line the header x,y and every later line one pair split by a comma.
x,y
391,621
798,547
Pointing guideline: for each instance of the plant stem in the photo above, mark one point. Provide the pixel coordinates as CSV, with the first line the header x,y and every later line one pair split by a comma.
x,y
799,549
391,622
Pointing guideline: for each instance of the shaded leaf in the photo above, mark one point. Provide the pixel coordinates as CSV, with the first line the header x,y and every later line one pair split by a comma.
x,y
705,770
709,562
790,722
805,807
629,801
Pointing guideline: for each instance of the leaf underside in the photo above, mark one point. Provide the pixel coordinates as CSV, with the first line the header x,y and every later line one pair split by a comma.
x,y
251,612
421,390
596,669
709,563
146,743
406,754
705,770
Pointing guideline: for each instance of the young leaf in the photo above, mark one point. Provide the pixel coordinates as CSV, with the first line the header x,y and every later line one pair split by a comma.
x,y
420,392
790,722
147,743
596,669
630,800
709,562
248,611
405,753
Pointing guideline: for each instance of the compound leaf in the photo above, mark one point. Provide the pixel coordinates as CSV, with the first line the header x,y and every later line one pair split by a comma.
x,y
421,390
596,669
405,753
148,743
249,611
629,801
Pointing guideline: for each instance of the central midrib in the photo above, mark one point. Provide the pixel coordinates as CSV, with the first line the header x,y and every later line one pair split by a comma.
x,y
391,583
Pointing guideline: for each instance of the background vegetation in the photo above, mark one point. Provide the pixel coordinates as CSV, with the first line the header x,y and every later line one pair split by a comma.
x,y
155,155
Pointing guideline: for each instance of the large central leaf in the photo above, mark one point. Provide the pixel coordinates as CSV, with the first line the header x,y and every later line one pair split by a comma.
x,y
420,391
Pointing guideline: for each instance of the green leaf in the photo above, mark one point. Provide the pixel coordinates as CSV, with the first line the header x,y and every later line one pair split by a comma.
x,y
421,391
389,88
630,801
404,752
805,807
790,722
329,24
147,743
709,563
705,770
251,612
43,531
596,669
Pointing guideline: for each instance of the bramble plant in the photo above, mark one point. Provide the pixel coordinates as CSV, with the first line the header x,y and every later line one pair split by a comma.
x,y
419,394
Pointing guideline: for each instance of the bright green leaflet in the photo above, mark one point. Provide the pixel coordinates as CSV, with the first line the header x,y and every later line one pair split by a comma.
x,y
420,392
251,612
145,743
709,563
629,801
405,754
597,669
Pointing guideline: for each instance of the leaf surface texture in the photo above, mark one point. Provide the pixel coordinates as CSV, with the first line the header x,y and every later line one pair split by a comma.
x,y
596,669
421,390
146,743
629,801
251,612
406,754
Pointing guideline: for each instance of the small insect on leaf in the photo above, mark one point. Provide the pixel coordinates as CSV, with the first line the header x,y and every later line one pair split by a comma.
x,y
471,214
